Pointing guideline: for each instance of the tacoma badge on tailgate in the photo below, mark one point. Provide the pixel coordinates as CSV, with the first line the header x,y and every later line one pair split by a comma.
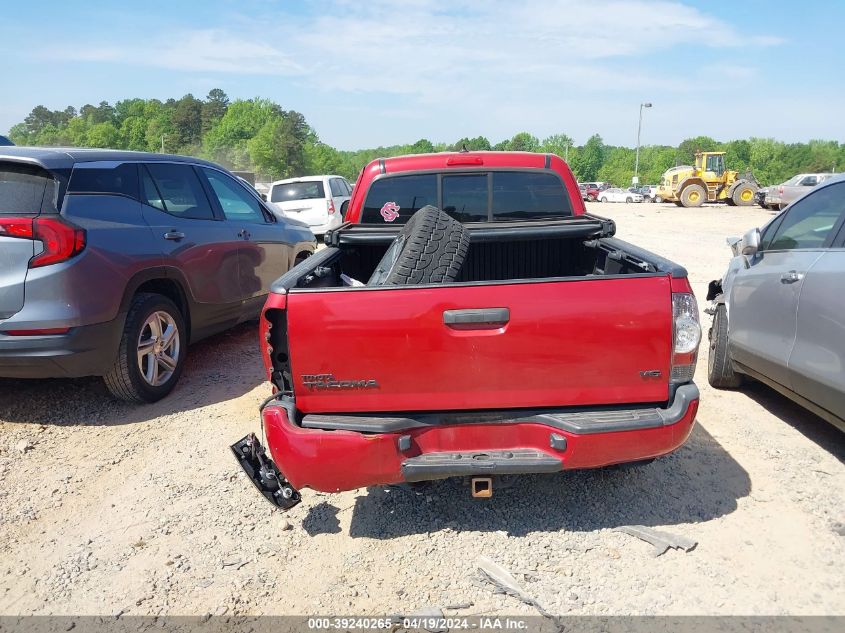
x,y
316,382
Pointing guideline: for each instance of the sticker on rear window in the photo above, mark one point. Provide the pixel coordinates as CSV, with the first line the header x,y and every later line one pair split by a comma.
x,y
390,211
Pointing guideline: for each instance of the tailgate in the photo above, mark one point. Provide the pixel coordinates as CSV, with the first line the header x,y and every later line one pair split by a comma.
x,y
536,344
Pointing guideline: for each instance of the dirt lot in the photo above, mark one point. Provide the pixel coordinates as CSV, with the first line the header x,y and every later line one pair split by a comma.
x,y
107,508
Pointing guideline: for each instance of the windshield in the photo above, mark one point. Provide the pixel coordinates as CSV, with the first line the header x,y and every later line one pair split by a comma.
x,y
793,181
302,190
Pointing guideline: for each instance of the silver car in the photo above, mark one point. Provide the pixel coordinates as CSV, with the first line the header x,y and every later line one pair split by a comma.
x,y
778,196
778,311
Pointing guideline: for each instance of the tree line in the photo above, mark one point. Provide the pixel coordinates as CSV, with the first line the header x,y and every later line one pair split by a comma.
x,y
259,135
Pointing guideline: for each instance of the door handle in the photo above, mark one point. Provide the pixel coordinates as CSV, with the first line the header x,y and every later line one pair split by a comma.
x,y
477,317
174,235
243,234
791,277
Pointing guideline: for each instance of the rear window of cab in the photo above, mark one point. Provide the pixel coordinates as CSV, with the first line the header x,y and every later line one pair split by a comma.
x,y
468,197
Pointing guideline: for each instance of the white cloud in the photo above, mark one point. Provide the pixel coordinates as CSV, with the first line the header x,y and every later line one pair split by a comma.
x,y
202,50
385,71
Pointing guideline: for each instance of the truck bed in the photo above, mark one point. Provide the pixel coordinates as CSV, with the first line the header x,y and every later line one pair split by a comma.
x,y
581,316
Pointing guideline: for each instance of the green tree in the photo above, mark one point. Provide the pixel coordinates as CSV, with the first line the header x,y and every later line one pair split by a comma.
x,y
213,108
103,135
524,142
589,159
422,146
479,143
187,121
559,144
688,148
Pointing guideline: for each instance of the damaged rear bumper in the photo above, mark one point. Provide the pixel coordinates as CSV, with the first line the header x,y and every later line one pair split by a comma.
x,y
349,452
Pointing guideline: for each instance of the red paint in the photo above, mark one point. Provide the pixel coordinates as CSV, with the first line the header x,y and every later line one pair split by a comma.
x,y
331,461
467,162
579,342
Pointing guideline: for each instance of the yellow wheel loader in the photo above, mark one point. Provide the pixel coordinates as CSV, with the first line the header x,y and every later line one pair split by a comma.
x,y
706,181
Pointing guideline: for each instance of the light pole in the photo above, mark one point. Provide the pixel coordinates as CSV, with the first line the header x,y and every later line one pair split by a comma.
x,y
636,179
164,135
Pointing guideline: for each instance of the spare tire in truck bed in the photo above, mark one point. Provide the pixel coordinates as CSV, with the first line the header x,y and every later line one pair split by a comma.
x,y
430,249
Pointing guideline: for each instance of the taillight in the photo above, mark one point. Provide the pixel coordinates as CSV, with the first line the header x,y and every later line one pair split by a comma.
x,y
61,241
330,206
16,227
686,336
464,160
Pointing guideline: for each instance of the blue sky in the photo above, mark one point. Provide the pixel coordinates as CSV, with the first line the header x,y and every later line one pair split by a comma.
x,y
381,72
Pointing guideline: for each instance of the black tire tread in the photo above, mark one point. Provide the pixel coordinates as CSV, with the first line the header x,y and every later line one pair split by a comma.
x,y
736,200
720,371
435,249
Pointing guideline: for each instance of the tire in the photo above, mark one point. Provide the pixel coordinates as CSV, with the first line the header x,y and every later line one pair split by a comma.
x,y
125,379
628,200
720,371
591,198
430,249
658,199
693,196
743,195
603,199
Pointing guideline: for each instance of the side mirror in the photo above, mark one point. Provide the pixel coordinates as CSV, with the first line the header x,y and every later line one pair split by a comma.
x,y
263,196
735,244
750,242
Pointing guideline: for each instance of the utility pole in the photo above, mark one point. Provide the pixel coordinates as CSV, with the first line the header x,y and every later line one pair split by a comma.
x,y
566,153
636,178
164,135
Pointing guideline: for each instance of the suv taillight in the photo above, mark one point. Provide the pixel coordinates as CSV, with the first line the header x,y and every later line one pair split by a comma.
x,y
61,240
686,335
330,206
16,227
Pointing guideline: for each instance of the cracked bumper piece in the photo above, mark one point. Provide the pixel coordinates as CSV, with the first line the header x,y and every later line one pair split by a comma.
x,y
351,452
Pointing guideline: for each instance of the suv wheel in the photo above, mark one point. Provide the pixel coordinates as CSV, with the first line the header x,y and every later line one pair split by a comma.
x,y
152,350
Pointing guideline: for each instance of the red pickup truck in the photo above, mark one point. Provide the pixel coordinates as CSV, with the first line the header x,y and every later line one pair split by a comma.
x,y
508,333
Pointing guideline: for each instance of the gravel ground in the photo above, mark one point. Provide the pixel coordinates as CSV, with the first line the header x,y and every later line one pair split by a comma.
x,y
107,508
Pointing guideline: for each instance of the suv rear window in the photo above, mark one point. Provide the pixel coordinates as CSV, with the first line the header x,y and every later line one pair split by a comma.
x,y
120,180
305,190
26,189
469,197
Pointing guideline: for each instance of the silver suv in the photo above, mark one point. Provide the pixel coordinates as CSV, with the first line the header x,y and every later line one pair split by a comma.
x,y
112,262
778,311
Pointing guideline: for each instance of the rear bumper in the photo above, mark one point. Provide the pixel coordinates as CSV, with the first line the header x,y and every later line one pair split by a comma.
x,y
84,351
416,449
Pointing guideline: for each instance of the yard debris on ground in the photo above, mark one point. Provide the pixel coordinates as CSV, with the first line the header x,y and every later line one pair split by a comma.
x,y
662,541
